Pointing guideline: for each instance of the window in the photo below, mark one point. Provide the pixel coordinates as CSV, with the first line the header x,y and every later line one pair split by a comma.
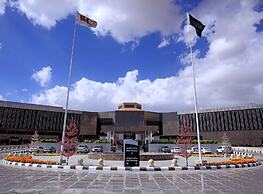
x,y
129,106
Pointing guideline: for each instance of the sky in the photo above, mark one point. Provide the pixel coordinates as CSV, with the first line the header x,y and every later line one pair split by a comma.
x,y
139,52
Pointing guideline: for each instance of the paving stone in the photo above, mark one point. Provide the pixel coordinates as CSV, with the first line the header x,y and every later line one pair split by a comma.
x,y
18,180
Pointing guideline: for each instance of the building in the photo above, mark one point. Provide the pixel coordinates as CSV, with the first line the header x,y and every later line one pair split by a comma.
x,y
18,122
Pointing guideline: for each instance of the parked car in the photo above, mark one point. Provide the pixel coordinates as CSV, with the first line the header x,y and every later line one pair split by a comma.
x,y
37,149
176,150
51,149
224,149
82,148
97,148
193,150
165,149
204,150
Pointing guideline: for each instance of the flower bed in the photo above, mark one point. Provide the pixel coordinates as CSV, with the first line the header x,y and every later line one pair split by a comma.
x,y
209,155
28,159
232,161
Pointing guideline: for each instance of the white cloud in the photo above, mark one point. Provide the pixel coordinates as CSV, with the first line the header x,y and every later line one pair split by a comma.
x,y
230,73
124,20
1,45
163,43
24,90
2,6
43,12
97,96
43,76
2,98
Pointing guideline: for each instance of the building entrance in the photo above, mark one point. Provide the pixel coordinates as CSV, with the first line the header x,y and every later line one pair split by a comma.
x,y
129,136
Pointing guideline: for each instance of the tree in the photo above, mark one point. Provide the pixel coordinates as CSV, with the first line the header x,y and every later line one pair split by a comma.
x,y
71,137
34,139
185,139
226,144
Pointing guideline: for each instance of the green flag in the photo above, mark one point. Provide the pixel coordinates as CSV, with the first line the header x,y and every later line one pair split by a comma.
x,y
197,24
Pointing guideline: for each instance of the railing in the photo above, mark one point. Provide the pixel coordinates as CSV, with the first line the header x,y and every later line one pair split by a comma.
x,y
251,152
8,148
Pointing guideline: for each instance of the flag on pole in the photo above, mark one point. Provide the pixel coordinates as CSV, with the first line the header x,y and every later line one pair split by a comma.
x,y
197,24
85,21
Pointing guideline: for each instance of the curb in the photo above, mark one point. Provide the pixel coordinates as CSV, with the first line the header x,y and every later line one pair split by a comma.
x,y
133,169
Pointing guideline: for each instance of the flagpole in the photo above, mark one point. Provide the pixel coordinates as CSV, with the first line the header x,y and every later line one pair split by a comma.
x,y
195,97
68,89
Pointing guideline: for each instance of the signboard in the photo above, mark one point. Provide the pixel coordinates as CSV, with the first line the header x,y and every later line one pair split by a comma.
x,y
131,153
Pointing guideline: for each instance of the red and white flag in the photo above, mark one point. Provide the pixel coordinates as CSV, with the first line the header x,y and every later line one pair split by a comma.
x,y
85,21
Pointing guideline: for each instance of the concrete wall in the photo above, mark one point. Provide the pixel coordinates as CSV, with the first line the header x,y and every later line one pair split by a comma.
x,y
170,124
250,137
88,123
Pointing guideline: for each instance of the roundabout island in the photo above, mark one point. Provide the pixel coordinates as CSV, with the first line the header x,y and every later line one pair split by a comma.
x,y
114,162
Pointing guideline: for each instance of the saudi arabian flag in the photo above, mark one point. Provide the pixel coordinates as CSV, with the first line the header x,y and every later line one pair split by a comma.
x,y
197,24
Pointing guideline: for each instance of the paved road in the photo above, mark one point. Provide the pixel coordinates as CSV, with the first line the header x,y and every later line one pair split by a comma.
x,y
18,180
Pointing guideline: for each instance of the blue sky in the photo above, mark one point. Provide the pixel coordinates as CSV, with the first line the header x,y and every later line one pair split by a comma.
x,y
137,53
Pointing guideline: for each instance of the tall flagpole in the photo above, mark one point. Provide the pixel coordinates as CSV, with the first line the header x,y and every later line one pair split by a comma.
x,y
69,83
195,98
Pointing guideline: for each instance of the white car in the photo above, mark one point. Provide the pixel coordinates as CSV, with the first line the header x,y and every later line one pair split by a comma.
x,y
223,149
204,150
193,150
176,150
97,148
82,148
36,149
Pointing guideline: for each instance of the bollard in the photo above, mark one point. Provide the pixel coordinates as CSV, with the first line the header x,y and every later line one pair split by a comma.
x,y
80,162
151,163
174,162
100,162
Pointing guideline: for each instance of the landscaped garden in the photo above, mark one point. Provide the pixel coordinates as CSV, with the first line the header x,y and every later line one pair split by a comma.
x,y
29,159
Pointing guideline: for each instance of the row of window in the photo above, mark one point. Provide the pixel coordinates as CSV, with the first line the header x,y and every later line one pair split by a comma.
x,y
130,106
14,118
248,119
106,121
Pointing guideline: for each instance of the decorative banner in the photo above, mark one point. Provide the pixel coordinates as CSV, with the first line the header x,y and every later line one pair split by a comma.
x,y
131,153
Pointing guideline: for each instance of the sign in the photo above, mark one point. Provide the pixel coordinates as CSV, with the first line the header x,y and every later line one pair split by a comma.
x,y
131,153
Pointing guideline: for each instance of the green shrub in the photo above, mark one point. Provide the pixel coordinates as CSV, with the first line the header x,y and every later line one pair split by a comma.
x,y
205,141
102,141
87,141
49,140
163,141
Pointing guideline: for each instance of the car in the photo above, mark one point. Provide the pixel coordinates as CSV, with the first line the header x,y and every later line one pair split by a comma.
x,y
193,150
37,149
51,149
97,148
204,150
165,149
224,149
82,148
176,150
